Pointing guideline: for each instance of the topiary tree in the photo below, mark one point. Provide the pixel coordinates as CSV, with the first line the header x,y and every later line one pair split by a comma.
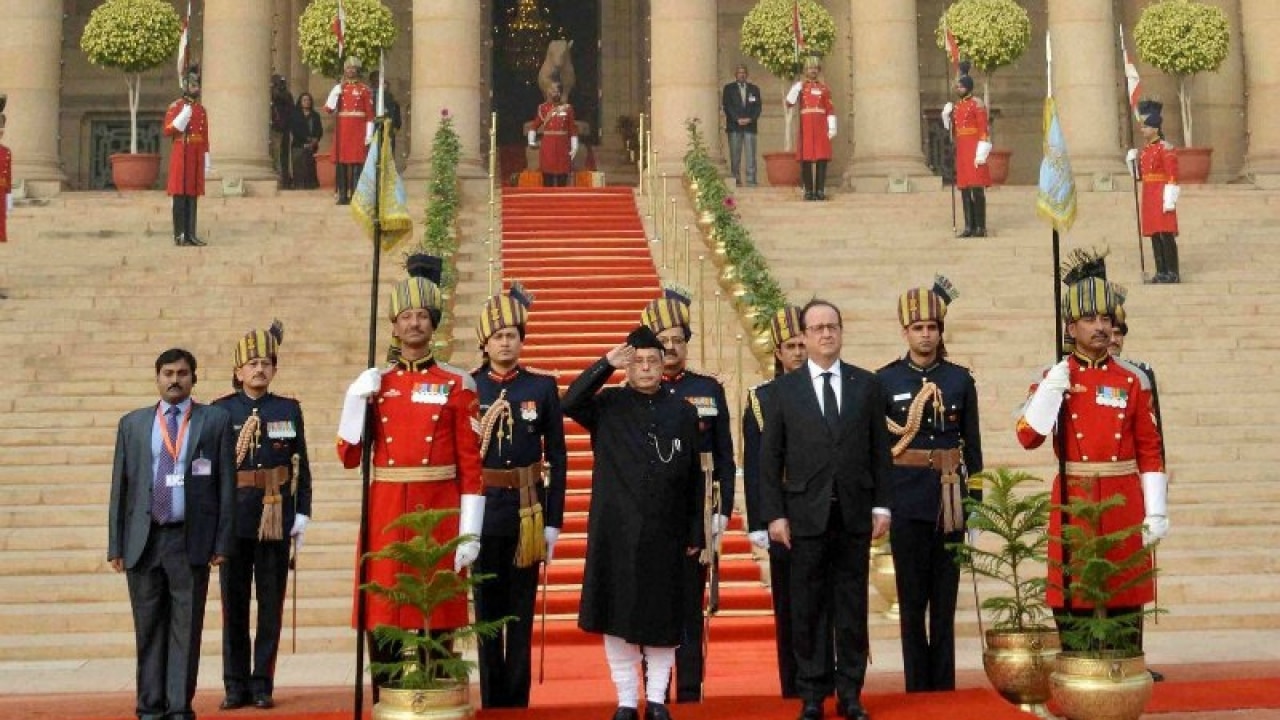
x,y
134,36
370,29
990,34
769,38
1182,38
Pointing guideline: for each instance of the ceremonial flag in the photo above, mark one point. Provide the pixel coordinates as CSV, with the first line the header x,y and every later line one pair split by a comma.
x,y
340,30
380,194
1131,78
953,50
182,48
1056,198
797,29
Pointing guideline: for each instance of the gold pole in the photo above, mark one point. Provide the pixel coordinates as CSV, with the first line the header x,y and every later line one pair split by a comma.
x,y
742,384
688,266
719,337
674,236
702,317
653,175
640,154
494,238
661,221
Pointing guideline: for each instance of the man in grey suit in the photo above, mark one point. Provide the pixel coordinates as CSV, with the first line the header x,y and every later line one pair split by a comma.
x,y
171,517
825,492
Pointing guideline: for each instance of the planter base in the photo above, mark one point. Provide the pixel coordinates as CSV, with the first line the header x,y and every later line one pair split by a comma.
x,y
1088,688
446,704
998,165
134,172
1194,164
782,169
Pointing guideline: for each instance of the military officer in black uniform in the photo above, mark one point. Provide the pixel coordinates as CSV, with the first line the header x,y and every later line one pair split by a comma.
x,y
933,412
668,318
788,354
273,506
521,443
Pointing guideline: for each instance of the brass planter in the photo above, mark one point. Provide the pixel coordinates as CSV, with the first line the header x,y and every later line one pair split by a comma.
x,y
1087,687
884,579
1019,664
452,703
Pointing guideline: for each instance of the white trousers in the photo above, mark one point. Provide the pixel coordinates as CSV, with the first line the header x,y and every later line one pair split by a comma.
x,y
623,657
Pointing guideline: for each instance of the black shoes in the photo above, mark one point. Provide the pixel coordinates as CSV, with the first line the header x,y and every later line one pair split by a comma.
x,y
1156,675
853,710
263,701
188,241
811,710
809,195
820,195
232,702
654,711
626,713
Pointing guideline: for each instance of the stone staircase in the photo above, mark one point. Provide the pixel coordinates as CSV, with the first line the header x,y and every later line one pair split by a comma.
x,y
96,290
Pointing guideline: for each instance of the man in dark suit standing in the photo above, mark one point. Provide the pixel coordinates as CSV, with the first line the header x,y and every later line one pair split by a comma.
x,y
825,492
171,517
742,105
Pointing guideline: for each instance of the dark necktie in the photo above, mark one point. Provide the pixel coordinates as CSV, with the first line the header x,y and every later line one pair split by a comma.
x,y
161,493
830,406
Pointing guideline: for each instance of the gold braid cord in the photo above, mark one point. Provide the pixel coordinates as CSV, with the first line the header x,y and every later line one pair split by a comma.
x,y
915,413
499,415
248,437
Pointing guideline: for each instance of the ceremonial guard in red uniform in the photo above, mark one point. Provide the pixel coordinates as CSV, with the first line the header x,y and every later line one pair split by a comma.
x,y
522,446
1103,409
352,100
817,129
6,179
788,354
933,413
429,409
668,318
559,132
188,124
968,122
1157,170
273,507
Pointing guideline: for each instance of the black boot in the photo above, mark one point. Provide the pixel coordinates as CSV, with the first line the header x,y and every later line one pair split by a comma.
x,y
806,179
820,186
966,204
979,212
179,220
1158,252
192,238
1171,258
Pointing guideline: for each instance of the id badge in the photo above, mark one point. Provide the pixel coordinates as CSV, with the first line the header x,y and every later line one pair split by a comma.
x,y
174,480
201,466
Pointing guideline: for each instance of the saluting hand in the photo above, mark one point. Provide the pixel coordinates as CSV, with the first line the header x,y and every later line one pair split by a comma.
x,y
620,357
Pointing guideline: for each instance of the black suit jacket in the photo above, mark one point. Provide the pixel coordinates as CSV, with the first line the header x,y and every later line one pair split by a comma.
x,y
803,462
734,107
210,499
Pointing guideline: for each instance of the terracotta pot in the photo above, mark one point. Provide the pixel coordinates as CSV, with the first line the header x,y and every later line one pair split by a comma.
x,y
1096,688
782,169
326,173
1194,164
135,172
998,164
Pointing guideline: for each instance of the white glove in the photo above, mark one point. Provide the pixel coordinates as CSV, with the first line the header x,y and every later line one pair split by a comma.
x,y
533,138
470,524
946,115
551,535
368,133
1171,193
759,538
181,120
719,523
356,404
1041,412
300,522
1155,490
971,531
208,164
831,127
1131,162
331,103
573,146
8,202
793,95
980,155
297,541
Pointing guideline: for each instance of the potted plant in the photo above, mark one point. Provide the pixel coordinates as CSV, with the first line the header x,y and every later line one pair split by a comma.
x,y
440,233
134,36
429,681
1182,38
990,34
1106,677
769,38
1018,648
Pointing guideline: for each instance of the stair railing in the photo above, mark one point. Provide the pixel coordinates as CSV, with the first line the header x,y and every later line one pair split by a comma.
x,y
493,244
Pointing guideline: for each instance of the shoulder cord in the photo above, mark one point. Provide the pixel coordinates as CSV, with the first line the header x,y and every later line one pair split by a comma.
x,y
928,391
499,411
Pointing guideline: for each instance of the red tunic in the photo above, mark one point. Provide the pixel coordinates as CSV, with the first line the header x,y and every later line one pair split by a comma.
x,y
969,122
355,112
558,125
1108,418
6,187
186,159
425,419
815,106
1158,166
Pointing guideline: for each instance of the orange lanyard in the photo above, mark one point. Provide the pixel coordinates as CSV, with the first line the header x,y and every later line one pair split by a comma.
x,y
169,444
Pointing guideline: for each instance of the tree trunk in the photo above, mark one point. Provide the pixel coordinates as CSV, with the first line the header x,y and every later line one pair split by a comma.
x,y
134,81
787,114
1184,101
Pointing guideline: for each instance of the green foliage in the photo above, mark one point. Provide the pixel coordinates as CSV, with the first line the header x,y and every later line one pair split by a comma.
x,y
762,289
990,33
131,35
1019,520
443,202
1090,578
768,35
428,662
1183,37
370,28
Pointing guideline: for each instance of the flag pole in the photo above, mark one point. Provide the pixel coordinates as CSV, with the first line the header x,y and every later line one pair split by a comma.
x,y
1134,166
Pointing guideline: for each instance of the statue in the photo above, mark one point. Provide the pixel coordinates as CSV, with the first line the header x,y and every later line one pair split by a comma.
x,y
557,67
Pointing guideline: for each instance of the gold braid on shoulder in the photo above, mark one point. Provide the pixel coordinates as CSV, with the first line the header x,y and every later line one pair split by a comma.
x,y
248,437
498,414
915,413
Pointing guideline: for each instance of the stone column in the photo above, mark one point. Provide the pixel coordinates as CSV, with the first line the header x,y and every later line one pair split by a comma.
x,y
1261,21
448,39
30,73
236,69
283,42
299,75
1086,77
885,117
682,50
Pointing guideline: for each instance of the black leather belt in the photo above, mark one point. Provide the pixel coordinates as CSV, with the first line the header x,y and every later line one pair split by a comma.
x,y
168,526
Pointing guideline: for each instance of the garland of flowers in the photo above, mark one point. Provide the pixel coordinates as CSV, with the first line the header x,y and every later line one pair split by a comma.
x,y
762,291
440,235
370,29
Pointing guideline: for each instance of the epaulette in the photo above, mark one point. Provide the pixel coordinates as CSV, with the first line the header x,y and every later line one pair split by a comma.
x,y
753,402
1144,378
553,374
889,364
700,373
468,382
224,397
